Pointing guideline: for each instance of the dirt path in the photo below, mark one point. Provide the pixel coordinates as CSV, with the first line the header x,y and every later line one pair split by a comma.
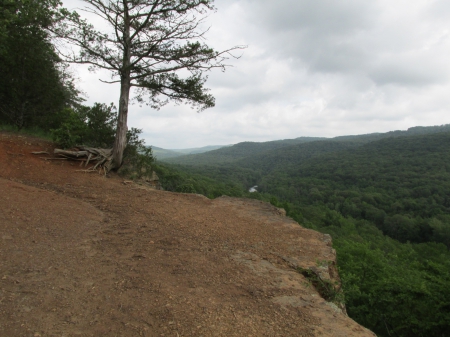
x,y
85,255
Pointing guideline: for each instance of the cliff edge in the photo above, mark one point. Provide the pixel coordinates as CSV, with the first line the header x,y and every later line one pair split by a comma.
x,y
85,255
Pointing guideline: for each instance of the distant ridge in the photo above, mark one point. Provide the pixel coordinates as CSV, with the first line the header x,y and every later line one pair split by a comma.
x,y
161,153
255,151
415,130
196,150
239,151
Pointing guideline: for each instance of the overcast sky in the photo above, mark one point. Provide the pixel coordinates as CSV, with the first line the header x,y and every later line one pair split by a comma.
x,y
312,68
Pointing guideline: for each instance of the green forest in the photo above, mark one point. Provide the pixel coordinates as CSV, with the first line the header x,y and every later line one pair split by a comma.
x,y
384,197
385,200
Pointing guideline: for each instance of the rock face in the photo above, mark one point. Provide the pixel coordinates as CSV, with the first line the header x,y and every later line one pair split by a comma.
x,y
152,181
85,255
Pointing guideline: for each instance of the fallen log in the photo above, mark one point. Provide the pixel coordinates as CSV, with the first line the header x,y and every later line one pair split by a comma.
x,y
101,157
68,153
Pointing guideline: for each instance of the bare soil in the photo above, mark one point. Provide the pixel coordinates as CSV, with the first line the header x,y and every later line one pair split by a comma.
x,y
82,254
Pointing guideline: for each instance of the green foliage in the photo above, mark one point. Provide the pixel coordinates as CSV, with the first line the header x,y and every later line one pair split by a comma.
x,y
162,47
91,126
187,187
33,82
101,121
330,291
173,178
354,188
274,201
96,127
392,289
71,129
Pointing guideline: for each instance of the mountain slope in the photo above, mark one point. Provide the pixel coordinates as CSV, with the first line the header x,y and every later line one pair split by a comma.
x,y
160,153
252,155
236,152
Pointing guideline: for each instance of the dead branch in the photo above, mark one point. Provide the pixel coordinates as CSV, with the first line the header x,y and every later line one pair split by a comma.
x,y
66,153
101,158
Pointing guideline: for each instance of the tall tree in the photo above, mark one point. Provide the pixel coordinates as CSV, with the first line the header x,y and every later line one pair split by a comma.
x,y
152,45
33,85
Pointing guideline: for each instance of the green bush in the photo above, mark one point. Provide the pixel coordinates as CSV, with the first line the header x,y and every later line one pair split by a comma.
x,y
101,122
91,126
71,130
186,188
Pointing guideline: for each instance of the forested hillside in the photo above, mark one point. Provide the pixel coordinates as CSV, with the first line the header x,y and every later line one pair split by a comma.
x,y
236,152
243,153
383,197
401,185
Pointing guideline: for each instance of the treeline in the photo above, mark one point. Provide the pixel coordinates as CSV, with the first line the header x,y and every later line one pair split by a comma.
x,y
252,154
231,154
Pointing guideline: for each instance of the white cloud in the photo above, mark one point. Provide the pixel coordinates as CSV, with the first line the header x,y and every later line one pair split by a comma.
x,y
312,68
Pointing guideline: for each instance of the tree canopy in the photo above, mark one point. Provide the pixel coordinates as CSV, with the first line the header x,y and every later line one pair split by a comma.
x,y
34,83
155,46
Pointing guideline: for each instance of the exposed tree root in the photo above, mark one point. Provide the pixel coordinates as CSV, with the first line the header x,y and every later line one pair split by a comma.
x,y
101,157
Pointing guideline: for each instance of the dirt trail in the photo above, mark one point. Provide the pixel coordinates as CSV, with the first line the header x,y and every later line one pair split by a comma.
x,y
85,255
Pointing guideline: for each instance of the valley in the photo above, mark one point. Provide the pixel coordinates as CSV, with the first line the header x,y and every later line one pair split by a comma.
x,y
384,198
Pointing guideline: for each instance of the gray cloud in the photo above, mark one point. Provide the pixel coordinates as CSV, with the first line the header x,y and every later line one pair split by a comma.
x,y
352,36
320,17
439,9
312,68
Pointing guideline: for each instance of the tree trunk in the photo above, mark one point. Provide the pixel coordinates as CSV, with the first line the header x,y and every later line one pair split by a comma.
x,y
125,84
121,133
